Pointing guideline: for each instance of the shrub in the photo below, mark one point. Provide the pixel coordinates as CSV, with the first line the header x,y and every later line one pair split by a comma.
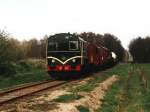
x,y
7,69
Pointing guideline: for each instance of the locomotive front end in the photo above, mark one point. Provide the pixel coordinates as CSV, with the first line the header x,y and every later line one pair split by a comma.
x,y
64,54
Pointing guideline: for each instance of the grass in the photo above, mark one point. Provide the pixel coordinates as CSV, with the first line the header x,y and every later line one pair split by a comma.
x,y
67,98
20,78
25,73
90,85
130,93
110,101
82,109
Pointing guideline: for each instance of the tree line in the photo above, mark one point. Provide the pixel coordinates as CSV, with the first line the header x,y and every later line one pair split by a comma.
x,y
12,50
140,49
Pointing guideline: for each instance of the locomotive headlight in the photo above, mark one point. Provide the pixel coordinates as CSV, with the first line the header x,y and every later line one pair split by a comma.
x,y
53,61
74,60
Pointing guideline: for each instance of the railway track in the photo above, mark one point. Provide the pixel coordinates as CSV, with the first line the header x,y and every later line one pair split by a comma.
x,y
17,92
13,93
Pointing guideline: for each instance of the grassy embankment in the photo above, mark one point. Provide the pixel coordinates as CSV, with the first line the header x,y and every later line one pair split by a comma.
x,y
27,71
132,92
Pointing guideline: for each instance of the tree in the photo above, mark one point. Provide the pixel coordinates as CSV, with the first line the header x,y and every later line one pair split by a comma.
x,y
140,49
16,51
43,47
6,49
114,44
92,37
6,57
33,48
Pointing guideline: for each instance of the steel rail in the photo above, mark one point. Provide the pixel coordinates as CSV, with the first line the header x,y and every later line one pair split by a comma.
x,y
19,92
21,86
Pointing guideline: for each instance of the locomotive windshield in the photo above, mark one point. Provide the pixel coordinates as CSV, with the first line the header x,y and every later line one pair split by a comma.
x,y
52,46
73,45
63,46
63,42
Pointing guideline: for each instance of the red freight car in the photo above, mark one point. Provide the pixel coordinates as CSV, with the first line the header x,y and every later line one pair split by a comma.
x,y
98,55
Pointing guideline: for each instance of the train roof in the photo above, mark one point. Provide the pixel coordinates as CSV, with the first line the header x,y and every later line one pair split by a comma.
x,y
65,36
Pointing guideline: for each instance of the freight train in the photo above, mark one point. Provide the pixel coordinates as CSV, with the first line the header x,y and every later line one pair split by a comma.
x,y
68,53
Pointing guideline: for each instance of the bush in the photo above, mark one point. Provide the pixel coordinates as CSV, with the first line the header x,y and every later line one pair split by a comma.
x,y
7,69
37,63
24,65
11,52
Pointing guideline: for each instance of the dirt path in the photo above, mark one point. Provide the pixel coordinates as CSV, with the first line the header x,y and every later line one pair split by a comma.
x,y
91,100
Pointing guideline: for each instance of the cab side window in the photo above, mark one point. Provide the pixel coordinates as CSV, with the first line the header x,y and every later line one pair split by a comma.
x,y
73,45
52,46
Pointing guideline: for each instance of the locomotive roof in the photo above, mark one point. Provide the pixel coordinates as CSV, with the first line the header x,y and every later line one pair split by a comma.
x,y
65,37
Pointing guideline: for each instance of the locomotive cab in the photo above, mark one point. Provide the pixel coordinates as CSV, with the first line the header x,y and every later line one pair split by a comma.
x,y
64,53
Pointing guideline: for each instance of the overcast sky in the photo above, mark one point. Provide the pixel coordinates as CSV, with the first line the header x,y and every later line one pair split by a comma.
x,y
25,19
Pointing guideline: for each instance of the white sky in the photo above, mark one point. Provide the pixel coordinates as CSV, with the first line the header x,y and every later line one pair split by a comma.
x,y
25,19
